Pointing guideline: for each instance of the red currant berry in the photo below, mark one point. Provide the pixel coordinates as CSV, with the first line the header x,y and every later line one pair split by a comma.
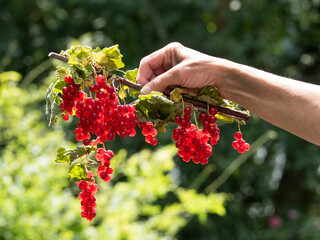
x,y
178,119
213,111
241,143
202,116
241,149
187,110
238,135
82,184
90,174
94,187
68,79
247,146
100,79
235,144
109,170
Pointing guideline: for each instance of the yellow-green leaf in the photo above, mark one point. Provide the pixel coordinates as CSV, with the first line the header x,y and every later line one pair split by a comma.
x,y
73,60
131,75
77,172
175,95
224,118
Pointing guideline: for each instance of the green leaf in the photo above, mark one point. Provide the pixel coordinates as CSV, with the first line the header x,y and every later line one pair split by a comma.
x,y
133,93
55,110
175,95
162,125
131,75
68,156
83,52
89,70
146,107
112,52
52,105
49,99
61,73
224,118
77,172
73,60
58,86
210,95
96,50
165,106
122,92
156,106
79,73
100,58
110,58
62,157
114,64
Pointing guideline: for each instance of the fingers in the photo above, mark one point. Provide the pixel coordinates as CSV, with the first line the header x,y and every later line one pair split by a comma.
x,y
150,66
161,82
157,63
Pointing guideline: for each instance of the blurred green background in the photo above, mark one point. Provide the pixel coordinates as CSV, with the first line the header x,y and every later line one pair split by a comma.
x,y
271,192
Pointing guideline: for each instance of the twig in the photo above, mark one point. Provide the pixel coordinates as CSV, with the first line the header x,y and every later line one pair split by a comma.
x,y
125,82
58,57
221,110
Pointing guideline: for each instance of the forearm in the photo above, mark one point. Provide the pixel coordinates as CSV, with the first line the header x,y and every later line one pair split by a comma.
x,y
286,103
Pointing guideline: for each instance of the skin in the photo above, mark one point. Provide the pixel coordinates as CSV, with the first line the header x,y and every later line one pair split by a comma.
x,y
286,103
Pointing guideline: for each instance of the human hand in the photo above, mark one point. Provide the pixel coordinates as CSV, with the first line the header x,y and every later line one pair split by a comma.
x,y
176,64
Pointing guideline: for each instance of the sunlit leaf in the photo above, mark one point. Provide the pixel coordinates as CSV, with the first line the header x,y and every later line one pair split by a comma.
x,y
77,172
68,156
58,86
73,60
175,95
131,75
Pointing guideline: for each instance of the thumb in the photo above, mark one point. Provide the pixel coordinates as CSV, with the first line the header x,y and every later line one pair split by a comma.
x,y
161,82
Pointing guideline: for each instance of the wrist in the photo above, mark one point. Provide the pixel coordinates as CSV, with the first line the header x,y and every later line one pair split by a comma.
x,y
226,77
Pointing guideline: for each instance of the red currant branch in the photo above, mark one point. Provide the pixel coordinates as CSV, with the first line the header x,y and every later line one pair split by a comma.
x,y
222,110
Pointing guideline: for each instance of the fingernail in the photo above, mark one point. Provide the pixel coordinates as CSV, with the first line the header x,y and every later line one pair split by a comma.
x,y
145,90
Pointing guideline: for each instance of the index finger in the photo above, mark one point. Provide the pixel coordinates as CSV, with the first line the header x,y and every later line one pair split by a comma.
x,y
153,65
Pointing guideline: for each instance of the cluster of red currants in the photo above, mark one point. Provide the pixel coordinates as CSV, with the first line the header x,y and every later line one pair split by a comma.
x,y
149,132
240,144
104,170
87,196
209,125
102,116
70,94
193,143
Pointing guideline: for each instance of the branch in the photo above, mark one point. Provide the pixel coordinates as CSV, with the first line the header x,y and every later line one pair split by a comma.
x,y
221,110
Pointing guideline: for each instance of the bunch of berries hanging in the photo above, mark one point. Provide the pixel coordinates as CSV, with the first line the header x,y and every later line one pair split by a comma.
x,y
101,116
104,170
87,196
240,144
193,143
149,132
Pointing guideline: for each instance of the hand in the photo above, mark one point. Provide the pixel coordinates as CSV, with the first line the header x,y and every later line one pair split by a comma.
x,y
176,64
